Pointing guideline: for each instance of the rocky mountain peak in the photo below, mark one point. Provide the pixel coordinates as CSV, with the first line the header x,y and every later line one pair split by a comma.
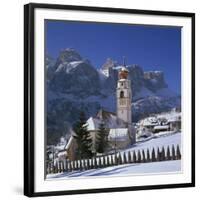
x,y
69,55
109,64
155,80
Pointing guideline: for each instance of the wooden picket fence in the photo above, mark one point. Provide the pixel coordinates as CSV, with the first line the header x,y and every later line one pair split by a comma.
x,y
139,156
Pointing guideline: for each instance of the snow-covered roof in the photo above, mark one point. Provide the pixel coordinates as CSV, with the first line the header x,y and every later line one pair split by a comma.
x,y
110,120
161,127
150,121
62,153
103,114
118,134
59,147
174,118
93,124
163,117
69,142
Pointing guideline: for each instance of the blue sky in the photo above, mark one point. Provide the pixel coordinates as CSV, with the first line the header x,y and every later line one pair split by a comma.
x,y
152,47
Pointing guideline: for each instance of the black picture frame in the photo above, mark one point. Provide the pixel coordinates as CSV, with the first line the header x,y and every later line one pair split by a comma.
x,y
29,95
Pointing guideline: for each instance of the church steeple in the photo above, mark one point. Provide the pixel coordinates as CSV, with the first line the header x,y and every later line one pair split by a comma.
x,y
124,63
124,95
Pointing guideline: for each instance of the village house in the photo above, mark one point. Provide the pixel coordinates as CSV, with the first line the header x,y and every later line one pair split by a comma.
x,y
163,122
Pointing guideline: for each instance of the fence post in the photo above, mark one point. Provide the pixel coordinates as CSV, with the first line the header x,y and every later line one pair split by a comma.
x,y
62,166
104,162
120,159
168,154
84,164
77,164
138,156
134,157
73,165
57,167
153,155
112,161
100,162
107,161
148,156
116,159
173,153
143,156
70,165
158,154
163,157
81,164
66,166
129,157
124,158
178,153
92,163
95,162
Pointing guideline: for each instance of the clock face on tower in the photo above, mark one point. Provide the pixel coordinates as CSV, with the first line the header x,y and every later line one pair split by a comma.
x,y
122,102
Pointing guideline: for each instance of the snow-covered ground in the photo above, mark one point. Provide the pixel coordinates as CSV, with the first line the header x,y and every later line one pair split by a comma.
x,y
157,141
144,168
163,139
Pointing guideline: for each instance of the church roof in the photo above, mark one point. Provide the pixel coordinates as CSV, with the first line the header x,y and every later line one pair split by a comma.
x,y
110,119
69,143
104,114
93,124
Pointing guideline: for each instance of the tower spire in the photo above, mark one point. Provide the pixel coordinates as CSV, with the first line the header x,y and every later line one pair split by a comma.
x,y
124,61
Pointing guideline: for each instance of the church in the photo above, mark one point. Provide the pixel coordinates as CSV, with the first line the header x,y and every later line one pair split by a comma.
x,y
123,136
121,132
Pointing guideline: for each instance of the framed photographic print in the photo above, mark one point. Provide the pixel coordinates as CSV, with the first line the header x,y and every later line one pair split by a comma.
x,y
108,99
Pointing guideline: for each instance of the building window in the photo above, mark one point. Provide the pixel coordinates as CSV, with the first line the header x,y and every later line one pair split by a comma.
x,y
122,94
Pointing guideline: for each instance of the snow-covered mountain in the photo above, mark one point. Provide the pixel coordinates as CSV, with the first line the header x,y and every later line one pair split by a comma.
x,y
74,84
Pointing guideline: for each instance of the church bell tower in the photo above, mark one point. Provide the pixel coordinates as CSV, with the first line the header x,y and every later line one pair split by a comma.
x,y
124,96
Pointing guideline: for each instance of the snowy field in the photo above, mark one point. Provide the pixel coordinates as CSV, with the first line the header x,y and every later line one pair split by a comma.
x,y
157,141
128,169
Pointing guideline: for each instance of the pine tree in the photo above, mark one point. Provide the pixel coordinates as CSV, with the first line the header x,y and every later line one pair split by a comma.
x,y
101,138
83,139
